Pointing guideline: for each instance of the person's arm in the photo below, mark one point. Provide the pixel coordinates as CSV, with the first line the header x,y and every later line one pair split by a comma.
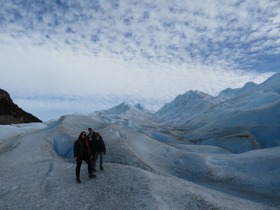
x,y
103,145
75,150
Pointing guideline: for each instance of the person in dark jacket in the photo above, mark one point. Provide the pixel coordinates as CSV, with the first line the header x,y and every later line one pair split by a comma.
x,y
82,151
98,149
90,135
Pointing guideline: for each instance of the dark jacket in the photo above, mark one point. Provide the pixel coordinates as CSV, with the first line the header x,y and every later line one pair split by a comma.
x,y
98,145
82,148
90,138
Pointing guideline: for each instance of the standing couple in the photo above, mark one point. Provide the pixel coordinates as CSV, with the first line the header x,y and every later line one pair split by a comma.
x,y
87,148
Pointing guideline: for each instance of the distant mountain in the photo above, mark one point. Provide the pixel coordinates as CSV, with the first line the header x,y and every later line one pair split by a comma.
x,y
186,106
237,120
230,93
126,114
10,113
126,107
249,114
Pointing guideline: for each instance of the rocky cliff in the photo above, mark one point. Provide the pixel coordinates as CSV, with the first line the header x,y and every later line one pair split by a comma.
x,y
10,113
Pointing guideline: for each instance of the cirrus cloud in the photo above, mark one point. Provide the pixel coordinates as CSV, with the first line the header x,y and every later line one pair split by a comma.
x,y
148,51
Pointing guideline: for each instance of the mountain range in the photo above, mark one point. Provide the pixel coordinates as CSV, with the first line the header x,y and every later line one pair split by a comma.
x,y
196,152
249,114
248,117
238,120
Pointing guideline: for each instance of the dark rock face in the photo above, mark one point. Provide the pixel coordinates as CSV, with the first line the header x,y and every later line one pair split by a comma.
x,y
10,113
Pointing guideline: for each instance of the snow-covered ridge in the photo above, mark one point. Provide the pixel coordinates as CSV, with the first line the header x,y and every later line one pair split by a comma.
x,y
230,93
237,120
224,156
126,107
188,106
251,112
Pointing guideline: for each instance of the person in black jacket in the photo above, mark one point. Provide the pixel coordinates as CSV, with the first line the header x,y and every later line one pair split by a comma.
x,y
90,135
82,151
98,149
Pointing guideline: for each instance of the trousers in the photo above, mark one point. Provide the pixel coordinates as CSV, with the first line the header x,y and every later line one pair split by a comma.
x,y
79,164
95,157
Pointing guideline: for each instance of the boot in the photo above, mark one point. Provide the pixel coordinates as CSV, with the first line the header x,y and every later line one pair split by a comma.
x,y
91,175
78,180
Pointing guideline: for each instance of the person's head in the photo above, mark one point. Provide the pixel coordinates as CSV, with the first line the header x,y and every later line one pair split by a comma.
x,y
90,130
82,135
97,136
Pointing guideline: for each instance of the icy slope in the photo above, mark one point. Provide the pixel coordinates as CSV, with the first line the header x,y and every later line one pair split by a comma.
x,y
250,115
33,176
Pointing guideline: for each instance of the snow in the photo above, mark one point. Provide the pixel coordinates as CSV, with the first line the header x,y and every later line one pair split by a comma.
x,y
153,161
37,172
252,114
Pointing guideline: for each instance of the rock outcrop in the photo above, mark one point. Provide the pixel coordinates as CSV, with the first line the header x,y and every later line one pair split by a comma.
x,y
10,113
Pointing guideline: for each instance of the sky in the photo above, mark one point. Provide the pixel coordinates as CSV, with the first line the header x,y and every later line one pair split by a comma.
x,y
61,57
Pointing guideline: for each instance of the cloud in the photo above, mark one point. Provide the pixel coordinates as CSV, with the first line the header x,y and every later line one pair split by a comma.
x,y
176,32
135,50
36,74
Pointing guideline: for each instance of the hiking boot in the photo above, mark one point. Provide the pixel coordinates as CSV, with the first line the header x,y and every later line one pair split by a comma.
x,y
91,176
78,180
101,168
